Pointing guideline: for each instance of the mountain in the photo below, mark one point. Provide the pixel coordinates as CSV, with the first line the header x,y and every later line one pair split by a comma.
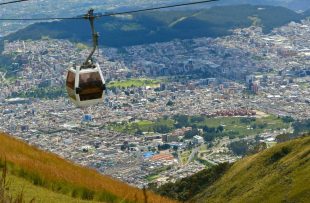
x,y
161,26
298,4
291,4
46,8
278,174
307,13
44,175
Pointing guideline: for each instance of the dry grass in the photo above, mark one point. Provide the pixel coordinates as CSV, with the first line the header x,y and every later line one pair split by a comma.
x,y
53,169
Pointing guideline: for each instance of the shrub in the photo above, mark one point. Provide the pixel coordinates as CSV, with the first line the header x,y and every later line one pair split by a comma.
x,y
87,194
107,197
188,187
280,154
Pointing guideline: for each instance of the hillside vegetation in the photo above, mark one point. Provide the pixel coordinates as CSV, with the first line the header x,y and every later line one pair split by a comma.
x,y
279,174
161,26
55,175
188,187
19,187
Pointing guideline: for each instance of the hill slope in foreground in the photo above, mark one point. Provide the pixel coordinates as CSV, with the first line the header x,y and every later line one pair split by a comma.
x,y
54,179
279,174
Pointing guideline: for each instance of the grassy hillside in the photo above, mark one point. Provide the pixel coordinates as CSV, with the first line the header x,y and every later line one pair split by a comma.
x,y
57,175
40,194
163,26
279,174
188,187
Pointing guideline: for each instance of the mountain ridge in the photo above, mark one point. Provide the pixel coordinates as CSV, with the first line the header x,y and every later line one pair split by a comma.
x,y
162,26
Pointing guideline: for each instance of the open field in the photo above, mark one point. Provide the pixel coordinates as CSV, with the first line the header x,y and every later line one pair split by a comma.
x,y
143,125
241,128
140,82
234,126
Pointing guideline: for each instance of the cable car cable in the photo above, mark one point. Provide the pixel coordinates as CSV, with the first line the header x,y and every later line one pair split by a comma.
x,y
108,14
13,2
155,8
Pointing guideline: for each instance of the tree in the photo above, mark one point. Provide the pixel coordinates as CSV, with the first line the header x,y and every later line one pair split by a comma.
x,y
163,147
288,119
257,138
283,137
190,134
247,120
125,146
205,129
209,137
239,147
258,148
211,130
262,125
152,99
197,119
220,128
139,132
162,128
165,117
301,126
181,121
170,103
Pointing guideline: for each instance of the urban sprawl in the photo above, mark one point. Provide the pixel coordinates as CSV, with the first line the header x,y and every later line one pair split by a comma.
x,y
245,75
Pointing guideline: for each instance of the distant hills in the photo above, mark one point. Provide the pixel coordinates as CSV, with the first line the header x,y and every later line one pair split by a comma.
x,y
307,13
49,178
278,174
291,4
162,26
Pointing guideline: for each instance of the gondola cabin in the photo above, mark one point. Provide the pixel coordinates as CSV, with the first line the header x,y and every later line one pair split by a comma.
x,y
85,86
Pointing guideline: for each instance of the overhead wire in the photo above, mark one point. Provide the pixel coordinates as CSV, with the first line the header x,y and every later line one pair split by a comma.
x,y
156,8
12,2
105,14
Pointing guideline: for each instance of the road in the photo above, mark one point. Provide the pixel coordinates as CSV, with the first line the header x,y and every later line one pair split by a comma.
x,y
192,156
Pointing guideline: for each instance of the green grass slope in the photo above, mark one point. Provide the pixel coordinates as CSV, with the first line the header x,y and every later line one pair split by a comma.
x,y
279,174
44,174
39,194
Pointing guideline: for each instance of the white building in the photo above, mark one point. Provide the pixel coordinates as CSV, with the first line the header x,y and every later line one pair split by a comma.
x,y
198,139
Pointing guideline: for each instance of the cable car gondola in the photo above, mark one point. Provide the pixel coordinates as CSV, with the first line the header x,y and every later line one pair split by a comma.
x,y
85,83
